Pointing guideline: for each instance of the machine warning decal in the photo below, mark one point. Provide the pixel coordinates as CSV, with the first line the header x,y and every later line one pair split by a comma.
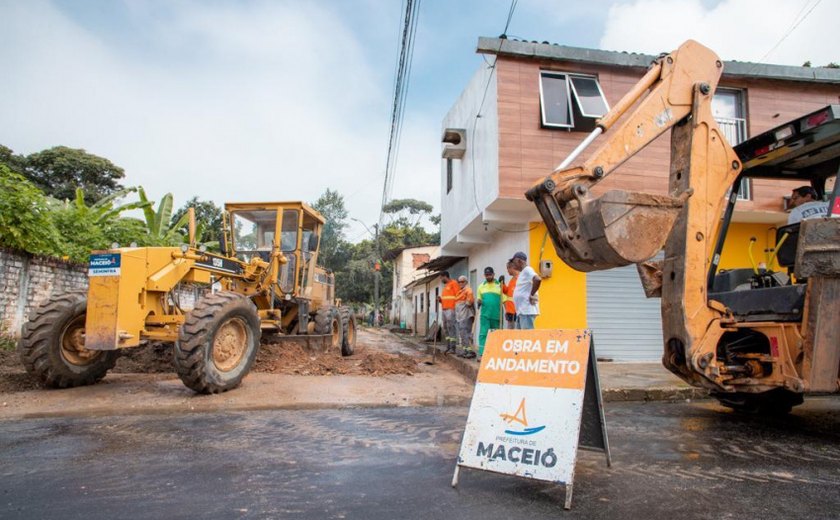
x,y
105,264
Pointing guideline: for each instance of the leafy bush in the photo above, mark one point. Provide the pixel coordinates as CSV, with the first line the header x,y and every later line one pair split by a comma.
x,y
24,216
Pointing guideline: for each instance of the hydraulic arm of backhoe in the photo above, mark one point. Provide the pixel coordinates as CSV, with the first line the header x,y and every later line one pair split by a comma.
x,y
620,227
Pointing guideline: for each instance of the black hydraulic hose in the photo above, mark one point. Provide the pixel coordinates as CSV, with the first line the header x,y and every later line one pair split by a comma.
x,y
727,218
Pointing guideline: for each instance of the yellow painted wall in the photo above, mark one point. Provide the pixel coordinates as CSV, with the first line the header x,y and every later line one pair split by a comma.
x,y
736,248
563,296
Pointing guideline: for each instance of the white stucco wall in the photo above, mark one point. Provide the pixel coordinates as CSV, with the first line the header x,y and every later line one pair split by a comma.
x,y
497,253
404,273
475,178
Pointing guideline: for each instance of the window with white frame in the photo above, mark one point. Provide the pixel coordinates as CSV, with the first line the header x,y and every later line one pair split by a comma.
x,y
571,101
728,110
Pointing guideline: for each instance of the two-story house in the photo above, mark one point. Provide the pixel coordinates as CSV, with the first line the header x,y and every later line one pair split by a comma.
x,y
525,110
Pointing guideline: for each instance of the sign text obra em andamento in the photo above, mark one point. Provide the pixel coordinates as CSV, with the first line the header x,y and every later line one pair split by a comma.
x,y
544,366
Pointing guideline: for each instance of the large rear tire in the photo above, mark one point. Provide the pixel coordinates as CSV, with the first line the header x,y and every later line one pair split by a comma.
x,y
774,402
348,331
217,343
328,323
52,344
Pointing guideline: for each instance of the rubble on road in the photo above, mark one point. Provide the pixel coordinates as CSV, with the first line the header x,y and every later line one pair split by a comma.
x,y
286,357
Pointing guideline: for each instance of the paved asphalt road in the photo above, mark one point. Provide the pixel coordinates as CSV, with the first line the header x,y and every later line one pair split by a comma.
x,y
671,461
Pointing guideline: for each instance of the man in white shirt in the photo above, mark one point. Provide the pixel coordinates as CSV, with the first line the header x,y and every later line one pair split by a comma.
x,y
525,293
805,205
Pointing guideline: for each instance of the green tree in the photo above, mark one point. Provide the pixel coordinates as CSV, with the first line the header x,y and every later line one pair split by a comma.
x,y
24,216
334,248
160,229
58,171
407,212
15,162
208,220
84,227
354,281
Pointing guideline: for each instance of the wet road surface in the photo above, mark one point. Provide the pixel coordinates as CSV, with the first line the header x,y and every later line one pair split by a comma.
x,y
670,461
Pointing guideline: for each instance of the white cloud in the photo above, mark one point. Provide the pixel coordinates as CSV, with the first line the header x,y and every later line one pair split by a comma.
x,y
235,102
744,30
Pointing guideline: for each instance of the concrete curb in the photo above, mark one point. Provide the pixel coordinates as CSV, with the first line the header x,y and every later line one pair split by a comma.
x,y
468,368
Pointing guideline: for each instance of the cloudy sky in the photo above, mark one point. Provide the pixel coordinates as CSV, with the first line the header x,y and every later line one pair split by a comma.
x,y
278,100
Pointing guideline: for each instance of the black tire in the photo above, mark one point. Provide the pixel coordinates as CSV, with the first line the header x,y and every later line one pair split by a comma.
x,y
328,322
51,345
348,331
203,358
774,402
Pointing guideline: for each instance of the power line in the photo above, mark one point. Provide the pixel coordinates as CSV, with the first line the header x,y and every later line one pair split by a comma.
x,y
492,66
402,75
789,31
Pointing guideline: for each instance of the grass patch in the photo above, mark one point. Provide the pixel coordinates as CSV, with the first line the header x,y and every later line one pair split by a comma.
x,y
7,341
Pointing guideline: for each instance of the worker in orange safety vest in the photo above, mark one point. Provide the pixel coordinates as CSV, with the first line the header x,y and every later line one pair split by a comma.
x,y
447,302
507,296
465,317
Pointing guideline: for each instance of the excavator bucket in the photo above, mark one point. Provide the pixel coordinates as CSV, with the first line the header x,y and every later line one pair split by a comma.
x,y
616,229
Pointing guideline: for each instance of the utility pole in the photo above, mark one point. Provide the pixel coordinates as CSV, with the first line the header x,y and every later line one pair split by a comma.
x,y
377,266
376,275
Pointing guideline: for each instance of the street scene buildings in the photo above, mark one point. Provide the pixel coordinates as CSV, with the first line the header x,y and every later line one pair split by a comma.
x,y
367,260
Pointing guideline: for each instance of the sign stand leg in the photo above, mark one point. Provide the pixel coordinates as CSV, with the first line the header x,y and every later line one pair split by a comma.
x,y
593,362
455,476
569,489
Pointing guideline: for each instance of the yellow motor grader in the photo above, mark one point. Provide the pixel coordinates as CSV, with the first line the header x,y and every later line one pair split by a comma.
x,y
266,279
759,341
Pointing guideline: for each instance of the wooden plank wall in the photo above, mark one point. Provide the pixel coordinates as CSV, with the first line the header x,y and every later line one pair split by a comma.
x,y
528,152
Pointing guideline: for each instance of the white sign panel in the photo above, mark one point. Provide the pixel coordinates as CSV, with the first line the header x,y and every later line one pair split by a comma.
x,y
525,415
104,264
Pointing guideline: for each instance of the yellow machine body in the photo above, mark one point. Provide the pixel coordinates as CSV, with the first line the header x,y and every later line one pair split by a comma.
x,y
795,350
132,294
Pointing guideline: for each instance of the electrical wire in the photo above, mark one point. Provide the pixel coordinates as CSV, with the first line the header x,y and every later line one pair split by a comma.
x,y
795,24
401,81
492,66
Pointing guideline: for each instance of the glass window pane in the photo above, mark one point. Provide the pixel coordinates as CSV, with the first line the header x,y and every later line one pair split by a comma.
x,y
555,100
254,230
727,104
590,100
289,236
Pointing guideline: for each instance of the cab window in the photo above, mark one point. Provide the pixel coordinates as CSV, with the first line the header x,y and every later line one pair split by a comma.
x,y
289,235
254,230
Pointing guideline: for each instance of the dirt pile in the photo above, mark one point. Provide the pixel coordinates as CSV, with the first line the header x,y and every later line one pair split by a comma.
x,y
292,358
13,378
283,357
287,357
153,358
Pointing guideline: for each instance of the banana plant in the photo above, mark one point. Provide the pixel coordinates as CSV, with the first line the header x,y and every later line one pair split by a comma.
x,y
160,230
200,229
103,210
100,212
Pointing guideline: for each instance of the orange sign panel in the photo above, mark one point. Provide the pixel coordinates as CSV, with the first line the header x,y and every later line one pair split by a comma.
x,y
539,358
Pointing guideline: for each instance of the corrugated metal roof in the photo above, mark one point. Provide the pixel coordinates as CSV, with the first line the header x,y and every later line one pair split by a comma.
x,y
554,51
441,263
422,281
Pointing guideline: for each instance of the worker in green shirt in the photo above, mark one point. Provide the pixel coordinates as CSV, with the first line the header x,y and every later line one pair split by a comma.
x,y
489,299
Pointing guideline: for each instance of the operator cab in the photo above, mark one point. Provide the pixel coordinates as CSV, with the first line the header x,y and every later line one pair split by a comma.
x,y
253,233
806,150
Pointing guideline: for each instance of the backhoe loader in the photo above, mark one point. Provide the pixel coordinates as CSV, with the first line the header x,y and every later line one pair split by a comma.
x,y
757,340
265,280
